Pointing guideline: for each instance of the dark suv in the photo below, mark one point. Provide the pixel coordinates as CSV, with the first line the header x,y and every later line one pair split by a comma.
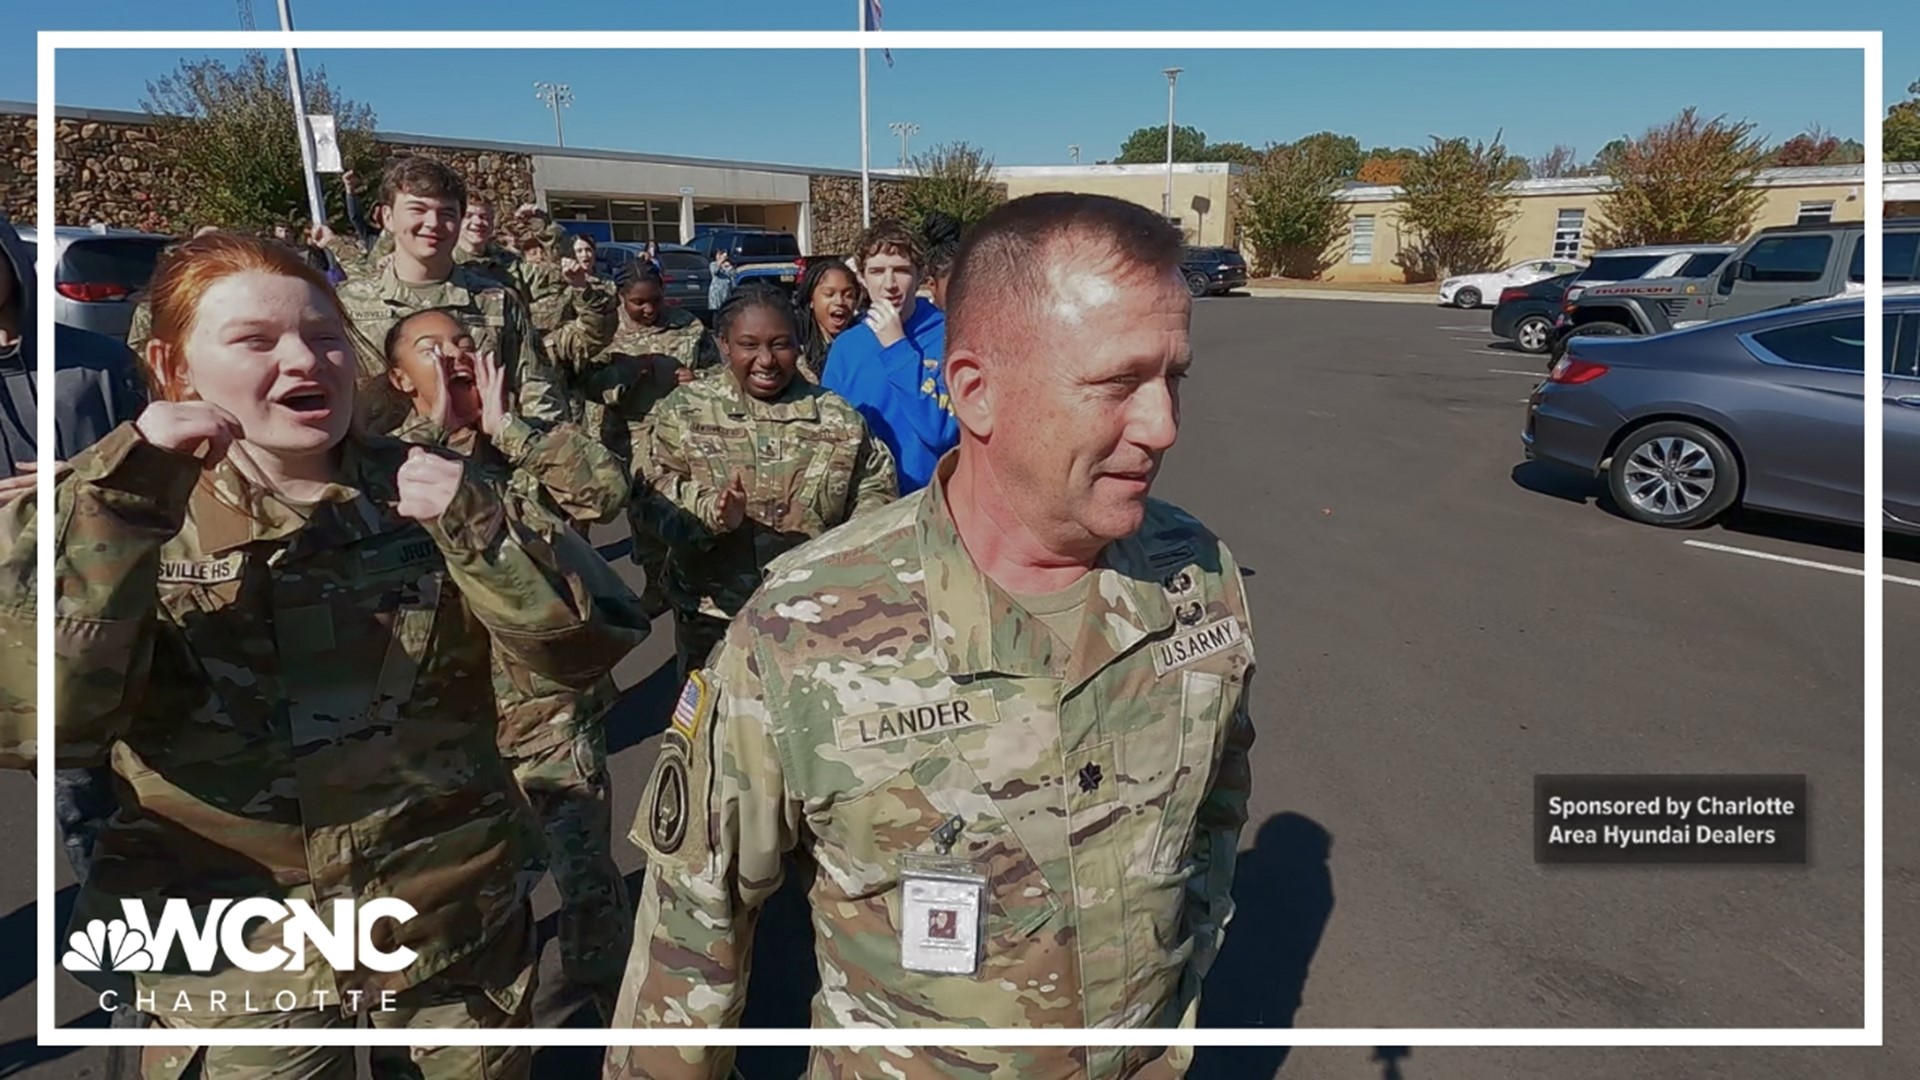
x,y
1213,270
756,254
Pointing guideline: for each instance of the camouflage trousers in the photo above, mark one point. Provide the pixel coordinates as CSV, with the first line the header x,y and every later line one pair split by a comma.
x,y
569,789
695,636
650,555
447,1002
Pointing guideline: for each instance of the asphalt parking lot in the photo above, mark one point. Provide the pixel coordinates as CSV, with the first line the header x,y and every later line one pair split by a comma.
x,y
1438,622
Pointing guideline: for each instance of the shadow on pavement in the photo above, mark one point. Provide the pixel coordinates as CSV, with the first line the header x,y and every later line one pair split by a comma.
x,y
641,713
1283,897
1543,478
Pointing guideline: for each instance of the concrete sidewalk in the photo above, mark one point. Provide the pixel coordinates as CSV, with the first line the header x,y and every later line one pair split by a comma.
x,y
1289,293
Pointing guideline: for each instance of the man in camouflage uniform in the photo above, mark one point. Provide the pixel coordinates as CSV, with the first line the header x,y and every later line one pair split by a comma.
x,y
652,348
423,203
553,736
1005,717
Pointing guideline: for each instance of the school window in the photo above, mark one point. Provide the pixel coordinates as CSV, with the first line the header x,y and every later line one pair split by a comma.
x,y
1816,213
1362,239
1567,233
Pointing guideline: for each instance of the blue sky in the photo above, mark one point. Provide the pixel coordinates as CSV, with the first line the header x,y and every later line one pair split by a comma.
x,y
800,106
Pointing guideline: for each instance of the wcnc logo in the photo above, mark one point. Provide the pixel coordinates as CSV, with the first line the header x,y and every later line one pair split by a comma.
x,y
134,944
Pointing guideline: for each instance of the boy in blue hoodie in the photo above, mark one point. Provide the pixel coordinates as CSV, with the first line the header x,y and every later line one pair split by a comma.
x,y
889,365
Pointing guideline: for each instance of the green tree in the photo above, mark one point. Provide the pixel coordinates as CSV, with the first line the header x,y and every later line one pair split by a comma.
x,y
1688,181
1288,210
1341,153
1457,205
1148,146
1901,130
1238,153
955,179
1608,159
229,133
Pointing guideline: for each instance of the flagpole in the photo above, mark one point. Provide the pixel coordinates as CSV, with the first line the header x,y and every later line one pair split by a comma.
x,y
866,179
316,205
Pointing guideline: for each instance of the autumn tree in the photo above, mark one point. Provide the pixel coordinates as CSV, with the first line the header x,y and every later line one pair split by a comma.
x,y
1288,209
229,133
1901,129
1378,170
1148,146
1561,161
1689,181
1458,201
955,179
1816,146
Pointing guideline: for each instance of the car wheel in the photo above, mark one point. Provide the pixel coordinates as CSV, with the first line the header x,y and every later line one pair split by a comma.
x,y
1198,285
1673,474
1533,334
1468,297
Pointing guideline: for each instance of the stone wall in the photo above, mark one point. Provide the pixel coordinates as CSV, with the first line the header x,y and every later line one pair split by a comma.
x,y
110,171
836,210
16,167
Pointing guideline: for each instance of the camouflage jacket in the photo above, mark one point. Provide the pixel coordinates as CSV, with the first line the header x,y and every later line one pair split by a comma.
x,y
356,260
296,700
881,692
552,477
499,323
19,625
807,462
140,327
621,386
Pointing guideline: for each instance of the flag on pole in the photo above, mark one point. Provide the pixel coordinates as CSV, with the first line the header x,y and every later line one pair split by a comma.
x,y
873,23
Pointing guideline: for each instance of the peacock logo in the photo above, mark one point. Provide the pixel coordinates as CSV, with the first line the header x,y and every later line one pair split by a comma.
x,y
109,945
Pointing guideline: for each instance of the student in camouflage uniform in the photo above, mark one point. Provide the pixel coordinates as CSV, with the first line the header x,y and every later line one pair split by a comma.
x,y
279,632
1006,716
736,469
423,202
655,349
552,735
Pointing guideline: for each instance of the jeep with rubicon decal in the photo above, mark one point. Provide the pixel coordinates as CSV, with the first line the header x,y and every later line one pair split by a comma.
x,y
1776,267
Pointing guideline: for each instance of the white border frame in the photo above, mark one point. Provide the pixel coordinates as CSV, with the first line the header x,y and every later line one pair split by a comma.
x,y
1868,42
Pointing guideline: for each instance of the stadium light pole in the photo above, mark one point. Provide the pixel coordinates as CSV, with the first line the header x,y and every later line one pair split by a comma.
x,y
1166,206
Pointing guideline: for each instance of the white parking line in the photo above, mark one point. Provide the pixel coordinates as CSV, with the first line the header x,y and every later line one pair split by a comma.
x,y
1508,371
1484,339
1790,561
1462,329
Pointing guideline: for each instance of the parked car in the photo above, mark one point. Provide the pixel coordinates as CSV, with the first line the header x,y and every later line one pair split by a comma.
x,y
97,274
756,254
1525,313
1474,290
1763,411
1212,271
1776,267
684,272
1900,404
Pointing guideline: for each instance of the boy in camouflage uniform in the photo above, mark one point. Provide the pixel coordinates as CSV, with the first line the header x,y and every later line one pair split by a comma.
x,y
423,204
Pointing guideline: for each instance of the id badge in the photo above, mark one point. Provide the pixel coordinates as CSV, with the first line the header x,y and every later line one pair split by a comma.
x,y
942,899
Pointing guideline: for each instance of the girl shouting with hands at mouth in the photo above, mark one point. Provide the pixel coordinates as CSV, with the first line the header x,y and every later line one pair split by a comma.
x,y
552,735
735,470
278,631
